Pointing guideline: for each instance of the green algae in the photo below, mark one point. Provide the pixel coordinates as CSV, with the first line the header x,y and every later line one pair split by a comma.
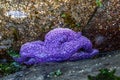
x,y
105,74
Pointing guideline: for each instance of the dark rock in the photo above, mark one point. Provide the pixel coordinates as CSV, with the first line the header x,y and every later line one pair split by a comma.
x,y
104,27
78,70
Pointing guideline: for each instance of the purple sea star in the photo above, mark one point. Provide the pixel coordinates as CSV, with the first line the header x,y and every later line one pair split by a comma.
x,y
60,44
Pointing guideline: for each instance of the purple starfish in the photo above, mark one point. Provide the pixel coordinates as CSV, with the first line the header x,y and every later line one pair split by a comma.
x,y
60,44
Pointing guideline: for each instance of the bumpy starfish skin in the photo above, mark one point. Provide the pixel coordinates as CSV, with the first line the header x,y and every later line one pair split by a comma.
x,y
60,44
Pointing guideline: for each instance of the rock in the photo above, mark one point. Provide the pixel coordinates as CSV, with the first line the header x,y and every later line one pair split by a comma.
x,y
78,70
104,28
4,57
44,15
4,45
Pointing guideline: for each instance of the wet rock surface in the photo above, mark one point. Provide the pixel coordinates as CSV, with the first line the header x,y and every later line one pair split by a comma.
x,y
78,70
42,17
45,15
104,28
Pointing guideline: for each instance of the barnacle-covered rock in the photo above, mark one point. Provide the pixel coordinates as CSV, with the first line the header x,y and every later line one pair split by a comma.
x,y
60,44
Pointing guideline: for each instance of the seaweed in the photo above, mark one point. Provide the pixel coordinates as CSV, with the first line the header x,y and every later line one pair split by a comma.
x,y
105,74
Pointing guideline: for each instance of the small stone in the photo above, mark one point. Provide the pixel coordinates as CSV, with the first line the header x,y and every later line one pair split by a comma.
x,y
16,14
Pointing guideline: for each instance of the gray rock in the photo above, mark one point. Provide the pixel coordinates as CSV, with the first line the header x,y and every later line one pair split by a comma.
x,y
103,28
78,70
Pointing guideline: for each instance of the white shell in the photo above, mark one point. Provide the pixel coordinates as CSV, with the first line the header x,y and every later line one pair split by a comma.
x,y
16,14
